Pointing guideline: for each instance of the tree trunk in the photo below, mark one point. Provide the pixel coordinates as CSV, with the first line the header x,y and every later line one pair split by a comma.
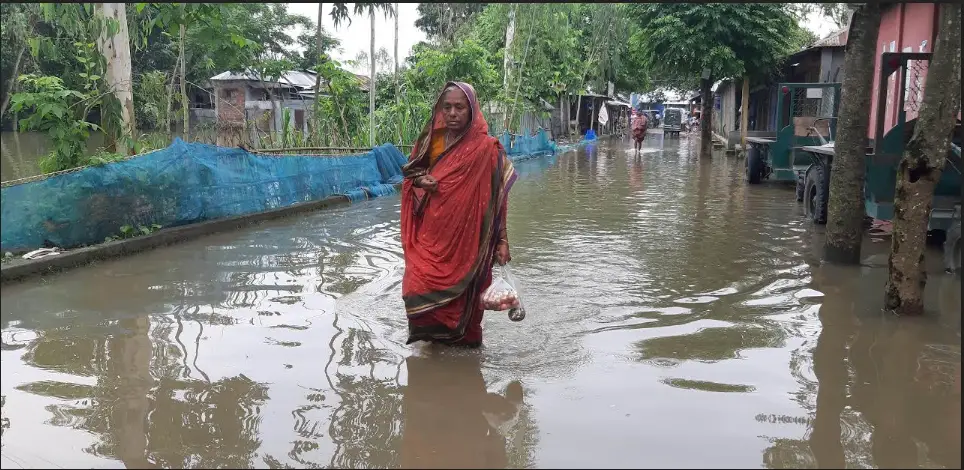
x,y
318,46
398,91
921,166
170,99
706,138
562,119
744,106
13,82
117,55
316,112
185,106
396,49
276,115
371,91
567,102
578,112
507,62
845,208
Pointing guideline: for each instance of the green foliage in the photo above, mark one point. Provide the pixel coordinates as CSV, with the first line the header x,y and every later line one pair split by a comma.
x,y
309,57
442,21
130,231
729,39
59,113
340,110
16,35
150,99
468,62
339,11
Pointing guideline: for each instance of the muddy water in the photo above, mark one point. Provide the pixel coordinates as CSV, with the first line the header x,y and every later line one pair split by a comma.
x,y
676,319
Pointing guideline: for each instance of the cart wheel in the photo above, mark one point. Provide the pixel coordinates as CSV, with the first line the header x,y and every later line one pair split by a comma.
x,y
952,249
754,166
817,193
801,186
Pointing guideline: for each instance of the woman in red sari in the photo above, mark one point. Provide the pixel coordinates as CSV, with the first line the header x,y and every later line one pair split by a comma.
x,y
454,200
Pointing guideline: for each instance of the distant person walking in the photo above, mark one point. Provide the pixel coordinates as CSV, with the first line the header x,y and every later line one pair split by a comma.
x,y
639,130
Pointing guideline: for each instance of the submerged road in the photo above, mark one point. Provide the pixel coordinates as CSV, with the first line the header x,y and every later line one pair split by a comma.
x,y
676,318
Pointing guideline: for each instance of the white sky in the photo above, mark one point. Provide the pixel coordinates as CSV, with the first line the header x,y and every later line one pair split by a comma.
x,y
356,37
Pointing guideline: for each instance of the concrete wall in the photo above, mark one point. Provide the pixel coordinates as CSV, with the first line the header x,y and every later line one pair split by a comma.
x,y
258,108
724,118
203,116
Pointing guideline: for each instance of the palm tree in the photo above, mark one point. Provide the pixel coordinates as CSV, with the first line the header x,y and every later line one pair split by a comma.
x,y
339,13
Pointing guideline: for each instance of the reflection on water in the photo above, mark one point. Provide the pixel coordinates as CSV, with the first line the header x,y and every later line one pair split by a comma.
x,y
678,319
450,420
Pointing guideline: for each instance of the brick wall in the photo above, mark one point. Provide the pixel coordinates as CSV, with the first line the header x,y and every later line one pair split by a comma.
x,y
230,102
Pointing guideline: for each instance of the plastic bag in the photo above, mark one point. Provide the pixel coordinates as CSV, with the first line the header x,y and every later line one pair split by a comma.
x,y
502,295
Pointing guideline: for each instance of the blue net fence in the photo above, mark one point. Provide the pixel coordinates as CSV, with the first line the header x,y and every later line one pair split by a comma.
x,y
527,145
182,184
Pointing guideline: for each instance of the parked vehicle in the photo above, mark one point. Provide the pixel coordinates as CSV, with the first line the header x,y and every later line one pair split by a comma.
x,y
800,151
672,122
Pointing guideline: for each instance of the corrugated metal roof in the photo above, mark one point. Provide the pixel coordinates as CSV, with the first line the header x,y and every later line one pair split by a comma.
x,y
838,38
294,78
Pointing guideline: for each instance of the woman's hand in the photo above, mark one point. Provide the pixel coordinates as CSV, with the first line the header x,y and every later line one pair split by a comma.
x,y
427,182
502,255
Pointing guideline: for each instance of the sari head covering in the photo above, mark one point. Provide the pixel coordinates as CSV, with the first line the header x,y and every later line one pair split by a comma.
x,y
449,236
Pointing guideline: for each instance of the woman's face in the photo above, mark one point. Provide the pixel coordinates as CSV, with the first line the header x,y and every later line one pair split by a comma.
x,y
456,110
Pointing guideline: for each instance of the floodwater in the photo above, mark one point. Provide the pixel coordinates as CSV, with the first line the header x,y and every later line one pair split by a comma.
x,y
676,318
20,154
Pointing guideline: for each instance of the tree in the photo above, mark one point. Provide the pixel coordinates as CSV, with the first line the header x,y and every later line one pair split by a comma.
x,y
339,13
469,62
441,21
371,86
319,43
115,44
921,166
383,60
19,23
311,52
845,208
270,69
839,13
712,41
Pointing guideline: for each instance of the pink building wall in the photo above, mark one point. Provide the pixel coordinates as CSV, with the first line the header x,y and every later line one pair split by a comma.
x,y
905,27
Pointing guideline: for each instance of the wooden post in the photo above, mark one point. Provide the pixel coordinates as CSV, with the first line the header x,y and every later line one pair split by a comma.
x,y
743,112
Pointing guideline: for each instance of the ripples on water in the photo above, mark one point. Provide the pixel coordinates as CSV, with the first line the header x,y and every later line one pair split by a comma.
x,y
677,318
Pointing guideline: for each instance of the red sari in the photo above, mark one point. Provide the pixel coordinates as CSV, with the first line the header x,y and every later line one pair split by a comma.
x,y
449,237
639,127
